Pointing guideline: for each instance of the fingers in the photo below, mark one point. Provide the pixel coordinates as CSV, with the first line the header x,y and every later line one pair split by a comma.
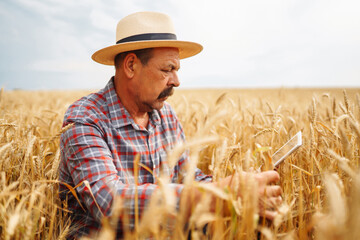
x,y
269,195
269,207
270,203
274,202
273,191
279,200
270,214
270,177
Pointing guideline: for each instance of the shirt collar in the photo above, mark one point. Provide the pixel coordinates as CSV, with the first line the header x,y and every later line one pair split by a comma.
x,y
119,116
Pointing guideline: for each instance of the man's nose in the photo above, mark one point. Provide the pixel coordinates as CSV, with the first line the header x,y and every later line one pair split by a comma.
x,y
174,80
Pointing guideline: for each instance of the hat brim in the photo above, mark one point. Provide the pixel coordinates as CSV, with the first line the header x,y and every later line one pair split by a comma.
x,y
106,55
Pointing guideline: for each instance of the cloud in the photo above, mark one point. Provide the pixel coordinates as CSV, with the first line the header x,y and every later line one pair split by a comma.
x,y
289,43
246,43
101,20
55,65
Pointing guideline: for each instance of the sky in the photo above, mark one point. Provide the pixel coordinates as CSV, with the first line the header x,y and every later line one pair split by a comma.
x,y
47,44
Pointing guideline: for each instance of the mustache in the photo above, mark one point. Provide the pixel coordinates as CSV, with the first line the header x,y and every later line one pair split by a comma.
x,y
166,93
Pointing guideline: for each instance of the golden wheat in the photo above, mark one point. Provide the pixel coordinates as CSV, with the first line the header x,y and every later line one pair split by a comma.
x,y
227,131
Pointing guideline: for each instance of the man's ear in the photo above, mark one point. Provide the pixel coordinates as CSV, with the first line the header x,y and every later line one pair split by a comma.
x,y
129,65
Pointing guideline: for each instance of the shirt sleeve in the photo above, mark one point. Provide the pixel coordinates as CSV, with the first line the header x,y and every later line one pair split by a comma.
x,y
89,160
185,158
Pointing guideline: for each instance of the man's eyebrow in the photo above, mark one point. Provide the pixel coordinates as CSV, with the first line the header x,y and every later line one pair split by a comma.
x,y
172,66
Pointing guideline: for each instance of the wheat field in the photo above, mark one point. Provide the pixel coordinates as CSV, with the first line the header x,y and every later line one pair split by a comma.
x,y
228,130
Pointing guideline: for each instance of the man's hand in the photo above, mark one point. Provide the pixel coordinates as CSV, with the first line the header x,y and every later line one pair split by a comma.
x,y
269,195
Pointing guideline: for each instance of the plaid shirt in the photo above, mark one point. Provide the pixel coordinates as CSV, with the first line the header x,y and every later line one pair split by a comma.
x,y
100,148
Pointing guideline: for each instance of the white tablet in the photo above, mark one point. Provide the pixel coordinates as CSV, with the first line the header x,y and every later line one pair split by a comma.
x,y
294,143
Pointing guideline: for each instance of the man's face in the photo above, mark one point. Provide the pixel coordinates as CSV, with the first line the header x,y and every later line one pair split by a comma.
x,y
154,82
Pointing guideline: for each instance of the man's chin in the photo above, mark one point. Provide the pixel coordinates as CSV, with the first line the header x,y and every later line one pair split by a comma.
x,y
155,106
159,105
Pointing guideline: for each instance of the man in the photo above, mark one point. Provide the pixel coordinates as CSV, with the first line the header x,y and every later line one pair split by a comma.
x,y
130,118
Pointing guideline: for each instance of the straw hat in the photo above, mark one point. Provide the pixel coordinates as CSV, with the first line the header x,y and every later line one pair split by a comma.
x,y
145,30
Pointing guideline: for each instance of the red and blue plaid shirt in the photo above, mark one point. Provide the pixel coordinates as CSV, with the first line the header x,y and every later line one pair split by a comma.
x,y
100,148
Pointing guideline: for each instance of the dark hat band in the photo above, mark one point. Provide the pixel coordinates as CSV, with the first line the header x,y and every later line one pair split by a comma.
x,y
148,37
